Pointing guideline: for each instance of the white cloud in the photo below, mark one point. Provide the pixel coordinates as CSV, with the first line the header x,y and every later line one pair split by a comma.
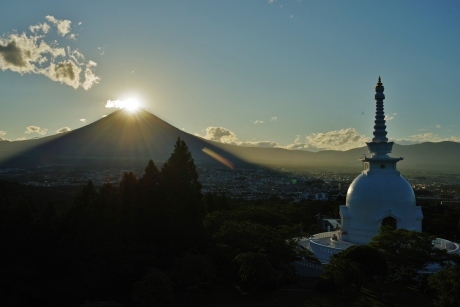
x,y
224,135
63,129
220,134
255,122
21,139
63,26
35,129
31,53
102,49
44,27
342,139
271,1
83,120
2,138
130,104
437,126
390,117
274,119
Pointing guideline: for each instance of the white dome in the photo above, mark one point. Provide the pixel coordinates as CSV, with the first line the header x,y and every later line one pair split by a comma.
x,y
382,190
374,196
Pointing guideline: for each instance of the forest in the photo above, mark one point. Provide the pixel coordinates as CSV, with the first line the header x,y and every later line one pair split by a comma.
x,y
158,240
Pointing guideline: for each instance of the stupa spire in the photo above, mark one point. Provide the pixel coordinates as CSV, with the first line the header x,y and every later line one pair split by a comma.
x,y
380,131
379,146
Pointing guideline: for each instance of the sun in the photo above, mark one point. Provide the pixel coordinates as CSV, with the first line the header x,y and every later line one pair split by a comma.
x,y
130,104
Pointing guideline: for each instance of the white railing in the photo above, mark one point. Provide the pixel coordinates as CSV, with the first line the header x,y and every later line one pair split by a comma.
x,y
316,246
323,235
451,247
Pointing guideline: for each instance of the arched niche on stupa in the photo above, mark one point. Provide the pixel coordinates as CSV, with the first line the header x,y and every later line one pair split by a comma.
x,y
390,221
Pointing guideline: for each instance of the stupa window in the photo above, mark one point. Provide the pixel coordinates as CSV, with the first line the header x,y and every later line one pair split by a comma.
x,y
389,221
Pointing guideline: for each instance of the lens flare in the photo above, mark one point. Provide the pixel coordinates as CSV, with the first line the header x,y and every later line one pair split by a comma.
x,y
218,157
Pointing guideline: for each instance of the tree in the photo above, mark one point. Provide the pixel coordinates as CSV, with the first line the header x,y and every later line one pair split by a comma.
x,y
86,196
344,272
372,261
155,289
256,272
446,285
182,203
179,172
406,251
128,188
150,182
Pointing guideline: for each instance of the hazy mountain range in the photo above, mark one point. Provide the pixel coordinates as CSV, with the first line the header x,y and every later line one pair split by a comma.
x,y
123,138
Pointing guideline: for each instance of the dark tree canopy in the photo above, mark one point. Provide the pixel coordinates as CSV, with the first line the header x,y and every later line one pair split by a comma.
x,y
406,251
446,286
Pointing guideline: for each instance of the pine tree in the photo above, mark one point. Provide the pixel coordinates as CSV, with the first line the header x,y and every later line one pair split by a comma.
x,y
184,207
150,183
179,172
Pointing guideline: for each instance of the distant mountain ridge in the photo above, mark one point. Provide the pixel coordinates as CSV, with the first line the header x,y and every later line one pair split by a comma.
x,y
123,138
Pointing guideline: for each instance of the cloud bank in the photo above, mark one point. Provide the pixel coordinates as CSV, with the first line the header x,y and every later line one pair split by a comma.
x,y
425,137
37,53
343,139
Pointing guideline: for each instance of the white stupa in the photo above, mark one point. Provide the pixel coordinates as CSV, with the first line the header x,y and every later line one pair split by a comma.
x,y
380,195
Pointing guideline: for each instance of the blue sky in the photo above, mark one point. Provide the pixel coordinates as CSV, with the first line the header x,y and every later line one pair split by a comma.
x,y
286,73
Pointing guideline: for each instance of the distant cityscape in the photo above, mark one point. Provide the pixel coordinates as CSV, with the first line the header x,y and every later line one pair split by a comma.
x,y
249,183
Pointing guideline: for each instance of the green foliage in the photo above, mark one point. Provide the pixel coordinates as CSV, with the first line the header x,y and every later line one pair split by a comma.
x,y
446,286
371,260
249,232
355,266
406,251
256,271
443,221
192,270
344,272
155,289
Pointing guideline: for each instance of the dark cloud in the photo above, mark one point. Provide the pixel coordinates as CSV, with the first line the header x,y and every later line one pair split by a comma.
x,y
13,55
64,71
